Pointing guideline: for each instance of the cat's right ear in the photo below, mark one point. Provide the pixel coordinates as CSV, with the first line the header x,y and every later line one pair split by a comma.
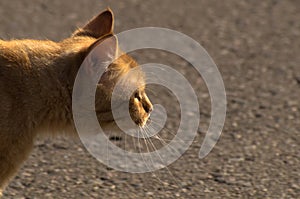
x,y
101,25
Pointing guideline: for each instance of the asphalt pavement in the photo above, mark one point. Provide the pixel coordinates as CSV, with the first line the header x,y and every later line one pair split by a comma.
x,y
256,46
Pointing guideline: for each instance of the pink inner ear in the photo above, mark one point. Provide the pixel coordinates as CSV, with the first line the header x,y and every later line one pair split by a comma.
x,y
101,25
102,54
105,49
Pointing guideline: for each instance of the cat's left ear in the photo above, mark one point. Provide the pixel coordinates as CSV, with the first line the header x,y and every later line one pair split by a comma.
x,y
105,49
101,25
100,54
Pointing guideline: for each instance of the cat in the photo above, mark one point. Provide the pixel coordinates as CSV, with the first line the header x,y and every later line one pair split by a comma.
x,y
36,84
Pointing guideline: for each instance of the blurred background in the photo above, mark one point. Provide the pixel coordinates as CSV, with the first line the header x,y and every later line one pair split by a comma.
x,y
256,45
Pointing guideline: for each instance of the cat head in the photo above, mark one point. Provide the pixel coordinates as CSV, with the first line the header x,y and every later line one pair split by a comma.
x,y
105,45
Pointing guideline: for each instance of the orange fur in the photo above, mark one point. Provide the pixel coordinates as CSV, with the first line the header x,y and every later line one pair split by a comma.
x,y
36,82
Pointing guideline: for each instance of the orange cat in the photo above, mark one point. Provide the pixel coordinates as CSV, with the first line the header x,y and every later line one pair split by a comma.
x,y
36,83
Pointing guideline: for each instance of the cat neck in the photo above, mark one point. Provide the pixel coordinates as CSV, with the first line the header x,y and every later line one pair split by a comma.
x,y
64,67
44,72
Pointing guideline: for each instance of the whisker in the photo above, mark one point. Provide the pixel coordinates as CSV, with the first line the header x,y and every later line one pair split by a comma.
x,y
162,141
138,131
152,160
150,125
166,129
169,171
145,140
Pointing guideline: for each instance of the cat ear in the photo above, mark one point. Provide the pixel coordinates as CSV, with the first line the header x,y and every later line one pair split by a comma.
x,y
101,54
99,26
105,49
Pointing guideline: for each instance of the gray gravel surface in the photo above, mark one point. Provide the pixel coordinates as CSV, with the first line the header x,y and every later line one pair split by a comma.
x,y
256,45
